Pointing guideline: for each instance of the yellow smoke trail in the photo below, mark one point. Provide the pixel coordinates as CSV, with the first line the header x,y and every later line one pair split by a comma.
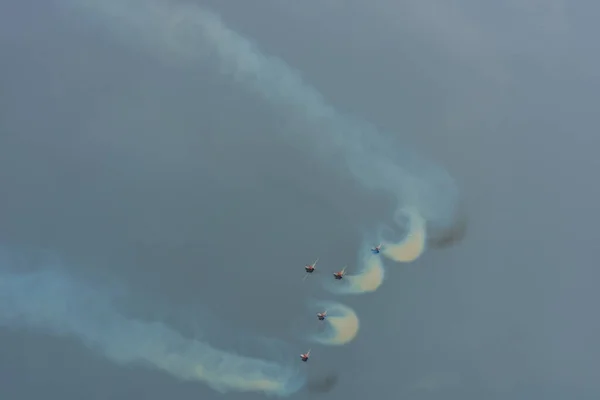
x,y
342,325
413,245
367,280
51,301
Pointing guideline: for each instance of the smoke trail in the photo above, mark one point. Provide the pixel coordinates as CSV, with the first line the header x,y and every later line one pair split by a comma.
x,y
413,244
367,280
52,302
188,32
342,324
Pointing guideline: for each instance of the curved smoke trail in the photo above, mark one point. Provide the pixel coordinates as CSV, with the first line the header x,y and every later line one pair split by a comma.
x,y
413,244
342,324
369,278
188,32
52,302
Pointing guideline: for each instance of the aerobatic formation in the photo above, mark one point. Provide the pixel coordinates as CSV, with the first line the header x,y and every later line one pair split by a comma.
x,y
343,323
53,301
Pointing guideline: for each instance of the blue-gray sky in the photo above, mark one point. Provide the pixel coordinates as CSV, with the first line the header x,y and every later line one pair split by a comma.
x,y
172,179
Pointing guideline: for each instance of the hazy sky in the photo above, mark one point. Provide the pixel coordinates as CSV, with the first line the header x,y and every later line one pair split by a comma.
x,y
173,179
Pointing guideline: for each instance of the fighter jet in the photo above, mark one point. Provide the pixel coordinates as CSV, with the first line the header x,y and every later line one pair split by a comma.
x,y
339,275
310,268
304,357
376,250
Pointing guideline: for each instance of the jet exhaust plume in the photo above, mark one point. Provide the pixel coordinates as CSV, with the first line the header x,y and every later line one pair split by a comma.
x,y
50,301
342,324
188,33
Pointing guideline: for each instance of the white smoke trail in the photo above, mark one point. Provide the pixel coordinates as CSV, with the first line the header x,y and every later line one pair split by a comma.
x,y
52,302
342,324
189,33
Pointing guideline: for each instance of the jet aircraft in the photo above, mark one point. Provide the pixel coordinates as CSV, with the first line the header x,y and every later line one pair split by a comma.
x,y
376,250
310,268
339,275
304,357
